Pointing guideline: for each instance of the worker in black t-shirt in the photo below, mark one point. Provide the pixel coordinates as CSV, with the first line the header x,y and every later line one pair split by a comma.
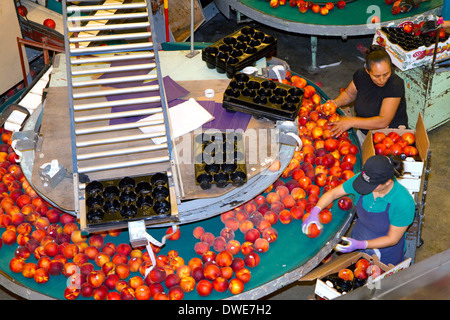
x,y
378,95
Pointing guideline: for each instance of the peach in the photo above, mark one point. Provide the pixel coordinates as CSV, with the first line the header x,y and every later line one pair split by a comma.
x,y
69,269
91,252
261,245
223,217
251,235
263,224
201,247
224,258
144,266
297,212
127,293
135,282
22,252
172,280
96,278
122,270
113,295
108,268
183,271
86,268
55,267
67,218
220,284
288,201
277,207
232,223
41,276
53,215
251,259
194,263
5,220
142,292
187,284
245,225
86,290
121,284
95,240
285,217
220,243
124,248
173,235
16,265
197,274
271,216
9,237
209,256
242,215
80,258
198,232
114,233
44,262
236,286
157,275
29,269
227,234
24,228
272,197
134,264
247,247
238,263
22,239
76,236
101,258
17,218
100,293
211,271
42,223
233,246
244,275
204,288
136,253
111,281
51,249
207,237
162,260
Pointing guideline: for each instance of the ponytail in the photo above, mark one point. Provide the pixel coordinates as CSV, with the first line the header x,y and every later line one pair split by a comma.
x,y
397,164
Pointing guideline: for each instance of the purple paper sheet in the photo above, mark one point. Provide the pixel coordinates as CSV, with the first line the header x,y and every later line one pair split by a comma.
x,y
224,119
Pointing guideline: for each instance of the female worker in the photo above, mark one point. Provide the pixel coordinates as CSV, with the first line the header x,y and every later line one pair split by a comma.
x,y
378,95
384,210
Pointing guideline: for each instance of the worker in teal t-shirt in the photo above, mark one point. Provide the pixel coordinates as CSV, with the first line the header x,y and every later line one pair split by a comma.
x,y
384,210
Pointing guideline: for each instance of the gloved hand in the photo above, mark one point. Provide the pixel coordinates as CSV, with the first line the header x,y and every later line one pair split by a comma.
x,y
313,218
352,245
407,5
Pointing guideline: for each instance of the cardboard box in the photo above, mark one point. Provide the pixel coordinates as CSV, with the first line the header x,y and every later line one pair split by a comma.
x,y
412,168
344,261
406,60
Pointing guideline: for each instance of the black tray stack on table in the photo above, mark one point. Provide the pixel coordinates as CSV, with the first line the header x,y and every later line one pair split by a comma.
x,y
128,199
219,159
239,50
262,97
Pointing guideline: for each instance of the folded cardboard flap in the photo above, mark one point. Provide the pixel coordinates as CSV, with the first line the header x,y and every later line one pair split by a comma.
x,y
342,262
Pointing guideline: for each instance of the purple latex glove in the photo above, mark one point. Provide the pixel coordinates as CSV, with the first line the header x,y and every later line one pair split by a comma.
x,y
313,218
352,245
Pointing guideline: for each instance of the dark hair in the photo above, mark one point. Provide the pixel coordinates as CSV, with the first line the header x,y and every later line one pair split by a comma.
x,y
377,54
397,163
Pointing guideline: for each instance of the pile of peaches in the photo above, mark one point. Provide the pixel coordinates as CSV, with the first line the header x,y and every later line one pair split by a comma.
x,y
393,143
50,243
304,6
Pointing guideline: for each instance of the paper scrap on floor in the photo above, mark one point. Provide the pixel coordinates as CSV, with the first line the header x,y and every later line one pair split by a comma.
x,y
184,117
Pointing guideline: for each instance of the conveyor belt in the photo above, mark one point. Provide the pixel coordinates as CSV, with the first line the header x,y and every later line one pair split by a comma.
x,y
101,32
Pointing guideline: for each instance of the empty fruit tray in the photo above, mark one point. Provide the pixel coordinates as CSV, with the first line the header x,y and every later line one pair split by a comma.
x,y
219,159
262,97
239,50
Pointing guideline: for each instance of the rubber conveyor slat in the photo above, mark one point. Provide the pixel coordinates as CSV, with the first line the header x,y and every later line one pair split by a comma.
x,y
106,72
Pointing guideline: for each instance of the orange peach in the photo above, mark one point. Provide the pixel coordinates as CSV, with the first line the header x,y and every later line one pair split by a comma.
x,y
122,270
204,288
245,225
233,246
70,227
272,197
29,269
226,234
183,271
232,223
211,271
199,231
135,282
101,258
194,263
113,295
157,275
41,276
251,259
187,284
96,278
142,292
224,258
285,217
261,245
244,275
220,284
16,265
236,286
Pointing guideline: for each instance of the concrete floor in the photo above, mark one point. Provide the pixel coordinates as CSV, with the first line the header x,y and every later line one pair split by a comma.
x,y
295,50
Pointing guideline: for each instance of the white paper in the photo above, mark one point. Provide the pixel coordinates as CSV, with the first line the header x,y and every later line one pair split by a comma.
x,y
185,117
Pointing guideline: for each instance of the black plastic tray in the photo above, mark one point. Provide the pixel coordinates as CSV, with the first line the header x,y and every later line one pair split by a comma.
x,y
239,50
127,199
262,97
219,159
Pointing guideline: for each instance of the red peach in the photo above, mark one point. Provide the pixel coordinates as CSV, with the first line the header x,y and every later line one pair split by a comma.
x,y
223,217
96,278
220,243
121,284
51,249
271,216
211,271
172,280
285,216
16,265
67,218
297,212
113,295
41,276
207,237
55,267
101,258
142,292
86,290
108,268
242,215
95,240
197,274
86,268
244,275
224,258
232,223
220,284
251,259
127,293
100,293
157,275
53,215
238,263
201,247
227,234
236,286
226,272
204,288
247,247
124,248
251,235
233,246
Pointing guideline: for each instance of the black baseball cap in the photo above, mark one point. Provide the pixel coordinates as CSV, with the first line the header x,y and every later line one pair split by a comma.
x,y
377,170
